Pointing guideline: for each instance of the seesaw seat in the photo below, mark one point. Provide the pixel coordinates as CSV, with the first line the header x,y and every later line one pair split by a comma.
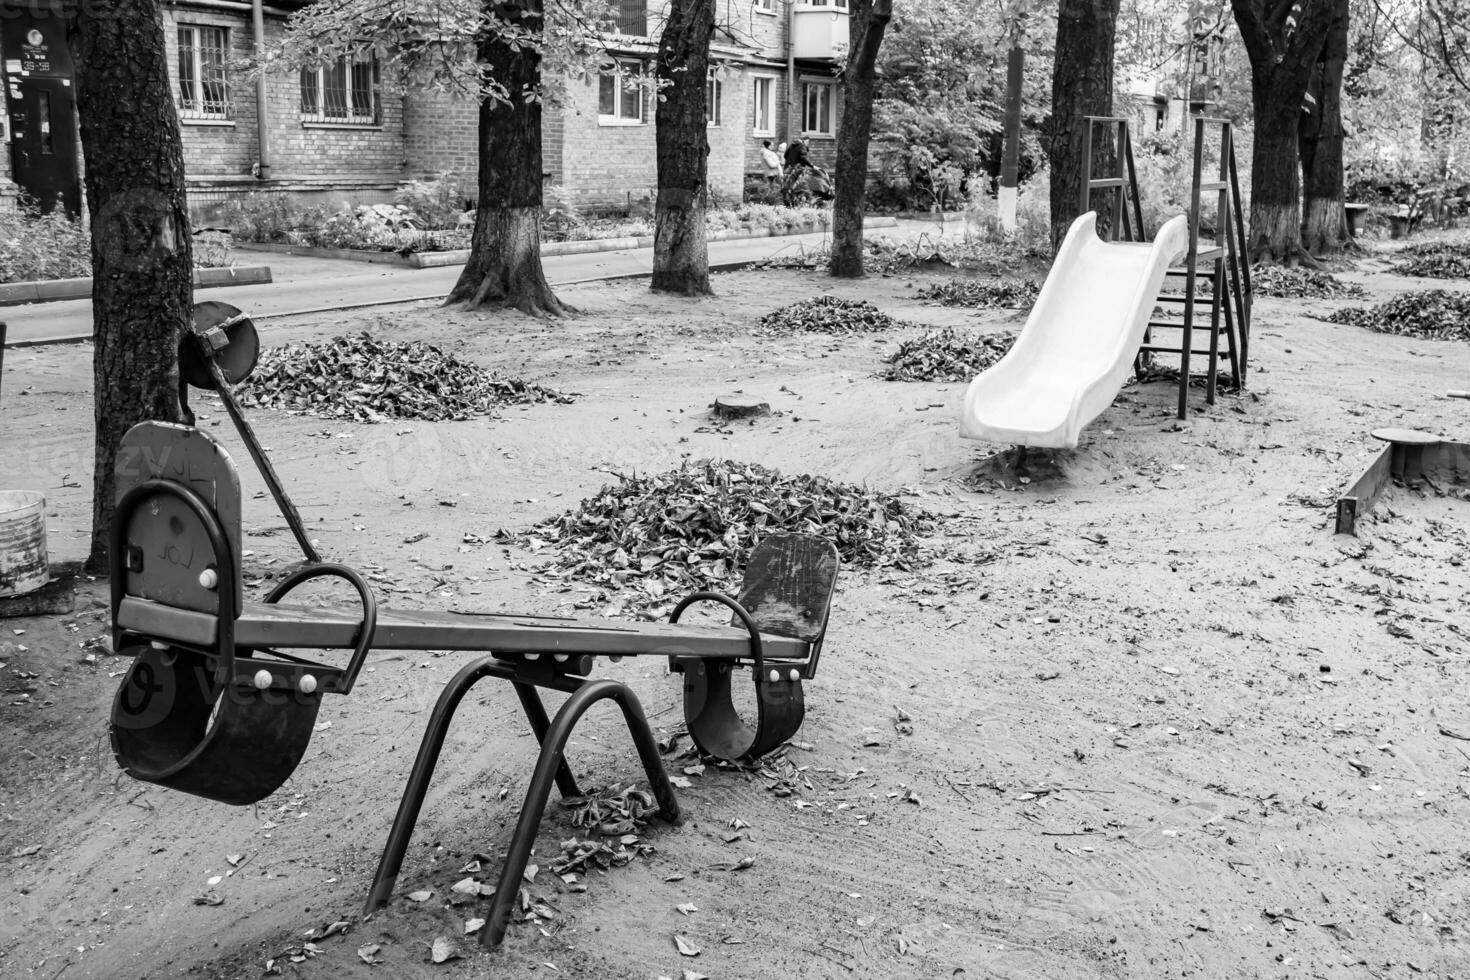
x,y
213,705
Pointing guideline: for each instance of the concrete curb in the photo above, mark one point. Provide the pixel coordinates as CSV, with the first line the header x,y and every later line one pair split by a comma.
x,y
733,266
49,290
459,256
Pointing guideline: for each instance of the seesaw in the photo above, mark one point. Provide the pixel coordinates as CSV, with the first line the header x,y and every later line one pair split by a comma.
x,y
214,705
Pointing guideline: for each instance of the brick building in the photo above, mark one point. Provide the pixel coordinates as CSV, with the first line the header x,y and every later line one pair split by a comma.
x,y
338,133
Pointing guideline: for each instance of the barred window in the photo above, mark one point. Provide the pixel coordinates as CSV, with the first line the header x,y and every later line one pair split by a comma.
x,y
343,91
204,90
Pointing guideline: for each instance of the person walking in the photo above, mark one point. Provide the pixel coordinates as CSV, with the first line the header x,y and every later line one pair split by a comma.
x,y
772,162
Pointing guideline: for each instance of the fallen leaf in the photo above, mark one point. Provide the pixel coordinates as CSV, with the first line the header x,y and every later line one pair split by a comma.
x,y
209,897
686,948
473,925
687,908
465,886
420,896
443,950
368,954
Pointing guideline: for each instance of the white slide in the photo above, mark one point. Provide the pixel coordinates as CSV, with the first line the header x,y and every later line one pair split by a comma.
x,y
1078,344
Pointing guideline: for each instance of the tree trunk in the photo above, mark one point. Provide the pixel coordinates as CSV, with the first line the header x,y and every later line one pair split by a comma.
x,y
1081,86
680,251
1282,42
1321,137
504,267
867,21
142,265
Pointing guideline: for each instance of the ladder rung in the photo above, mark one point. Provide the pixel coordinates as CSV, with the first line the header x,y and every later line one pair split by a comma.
x,y
1199,327
1100,183
1200,299
1214,185
1156,349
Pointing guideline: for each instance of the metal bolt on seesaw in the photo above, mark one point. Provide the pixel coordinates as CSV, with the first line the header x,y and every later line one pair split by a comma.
x,y
213,705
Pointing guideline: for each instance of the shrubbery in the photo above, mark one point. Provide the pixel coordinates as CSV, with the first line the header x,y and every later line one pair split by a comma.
x,y
43,246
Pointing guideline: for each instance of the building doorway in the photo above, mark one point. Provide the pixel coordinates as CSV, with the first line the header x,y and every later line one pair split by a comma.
x,y
41,101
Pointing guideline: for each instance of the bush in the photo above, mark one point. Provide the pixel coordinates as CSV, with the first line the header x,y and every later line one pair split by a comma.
x,y
438,202
1032,237
260,217
758,190
43,246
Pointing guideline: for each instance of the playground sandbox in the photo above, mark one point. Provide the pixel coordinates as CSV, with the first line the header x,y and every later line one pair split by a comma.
x,y
1141,713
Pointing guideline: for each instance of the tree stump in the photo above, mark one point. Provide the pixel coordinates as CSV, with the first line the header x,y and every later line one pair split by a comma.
x,y
741,406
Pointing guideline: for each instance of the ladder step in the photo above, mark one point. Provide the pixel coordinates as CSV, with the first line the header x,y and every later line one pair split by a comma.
x,y
1200,299
1156,349
1203,328
1214,185
1100,183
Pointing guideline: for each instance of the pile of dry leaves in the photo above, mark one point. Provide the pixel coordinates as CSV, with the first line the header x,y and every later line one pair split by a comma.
x,y
669,534
946,355
366,380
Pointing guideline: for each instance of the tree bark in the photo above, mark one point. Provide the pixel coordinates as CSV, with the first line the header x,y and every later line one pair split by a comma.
x,y
680,249
1321,137
1081,86
504,268
867,22
1282,42
142,265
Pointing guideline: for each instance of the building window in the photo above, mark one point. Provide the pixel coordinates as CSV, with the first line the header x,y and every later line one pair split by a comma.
x,y
763,105
816,108
839,4
620,94
344,92
629,17
765,6
204,91
713,90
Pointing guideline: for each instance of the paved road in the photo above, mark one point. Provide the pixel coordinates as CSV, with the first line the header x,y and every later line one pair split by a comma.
x,y
311,285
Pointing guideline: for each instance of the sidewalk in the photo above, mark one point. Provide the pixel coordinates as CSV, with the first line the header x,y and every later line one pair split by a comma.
x,y
311,285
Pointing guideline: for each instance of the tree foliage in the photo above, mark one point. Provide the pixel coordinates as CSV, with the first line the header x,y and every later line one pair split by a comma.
x,y
438,44
937,119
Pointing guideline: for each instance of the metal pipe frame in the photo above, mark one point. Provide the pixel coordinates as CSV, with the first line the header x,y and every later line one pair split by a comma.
x,y
551,767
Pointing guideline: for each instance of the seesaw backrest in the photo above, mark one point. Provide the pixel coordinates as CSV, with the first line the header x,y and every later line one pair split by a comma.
x,y
166,545
788,585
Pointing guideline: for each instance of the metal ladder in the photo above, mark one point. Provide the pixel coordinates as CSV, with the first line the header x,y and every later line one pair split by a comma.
x,y
1215,273
1221,261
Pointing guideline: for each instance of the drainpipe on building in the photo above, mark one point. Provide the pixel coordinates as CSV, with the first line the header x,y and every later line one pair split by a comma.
x,y
792,128
262,120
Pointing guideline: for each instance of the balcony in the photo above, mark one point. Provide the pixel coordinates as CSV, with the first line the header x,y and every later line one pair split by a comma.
x,y
819,31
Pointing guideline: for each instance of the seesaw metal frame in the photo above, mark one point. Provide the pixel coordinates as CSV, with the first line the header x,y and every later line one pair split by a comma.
x,y
211,704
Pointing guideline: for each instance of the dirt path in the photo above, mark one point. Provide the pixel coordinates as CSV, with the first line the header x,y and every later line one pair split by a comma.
x,y
1164,723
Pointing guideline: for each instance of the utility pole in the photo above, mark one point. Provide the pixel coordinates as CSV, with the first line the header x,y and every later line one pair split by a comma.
x,y
1010,160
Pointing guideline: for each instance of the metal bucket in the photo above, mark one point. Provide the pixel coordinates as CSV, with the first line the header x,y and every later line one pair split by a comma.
x,y
23,565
